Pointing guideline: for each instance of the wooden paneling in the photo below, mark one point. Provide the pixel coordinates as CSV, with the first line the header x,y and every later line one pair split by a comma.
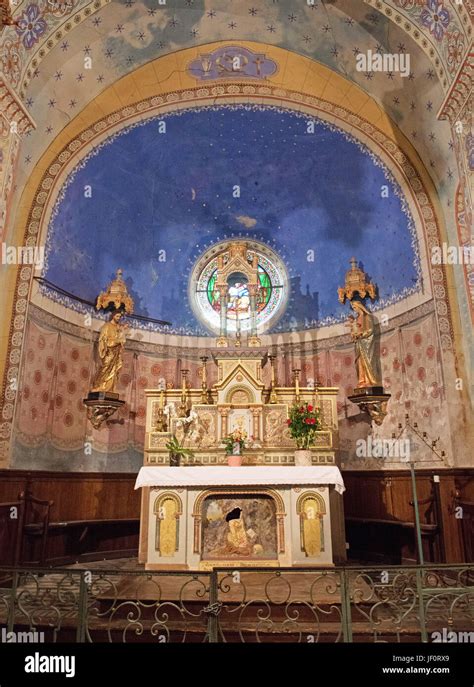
x,y
380,515
82,516
377,505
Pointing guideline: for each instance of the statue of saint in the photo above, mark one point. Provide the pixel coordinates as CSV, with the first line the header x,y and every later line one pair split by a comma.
x,y
363,336
111,342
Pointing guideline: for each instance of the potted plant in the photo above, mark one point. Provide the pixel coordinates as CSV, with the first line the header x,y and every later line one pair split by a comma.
x,y
234,447
177,451
304,422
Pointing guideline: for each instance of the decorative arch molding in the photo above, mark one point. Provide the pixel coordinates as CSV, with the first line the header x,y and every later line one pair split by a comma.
x,y
310,495
358,116
236,392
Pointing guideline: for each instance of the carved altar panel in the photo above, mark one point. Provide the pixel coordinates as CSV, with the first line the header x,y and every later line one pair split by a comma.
x,y
275,428
240,396
327,413
205,432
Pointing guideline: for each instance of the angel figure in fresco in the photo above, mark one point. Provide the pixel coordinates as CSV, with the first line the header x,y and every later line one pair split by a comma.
x,y
363,336
112,339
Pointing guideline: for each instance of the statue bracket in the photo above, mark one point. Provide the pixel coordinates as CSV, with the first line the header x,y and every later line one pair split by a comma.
x,y
373,401
101,406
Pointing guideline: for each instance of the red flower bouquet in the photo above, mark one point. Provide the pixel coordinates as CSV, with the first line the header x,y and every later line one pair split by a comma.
x,y
304,422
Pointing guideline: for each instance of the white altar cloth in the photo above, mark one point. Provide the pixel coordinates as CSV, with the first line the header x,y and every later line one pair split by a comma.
x,y
225,476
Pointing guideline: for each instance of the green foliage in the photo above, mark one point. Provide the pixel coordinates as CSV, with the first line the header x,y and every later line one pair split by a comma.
x,y
304,421
175,448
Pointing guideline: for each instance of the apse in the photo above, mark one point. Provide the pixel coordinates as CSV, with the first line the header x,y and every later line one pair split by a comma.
x,y
152,198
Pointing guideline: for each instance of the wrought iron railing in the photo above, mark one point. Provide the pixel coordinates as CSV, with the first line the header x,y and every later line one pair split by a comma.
x,y
339,604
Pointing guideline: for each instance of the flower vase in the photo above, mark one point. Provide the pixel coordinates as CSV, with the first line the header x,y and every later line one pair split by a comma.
x,y
303,456
234,460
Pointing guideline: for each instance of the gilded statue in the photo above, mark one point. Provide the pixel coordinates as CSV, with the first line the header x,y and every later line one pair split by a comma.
x,y
111,342
363,335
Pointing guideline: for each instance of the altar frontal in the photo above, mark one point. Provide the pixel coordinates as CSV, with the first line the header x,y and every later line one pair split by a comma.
x,y
198,519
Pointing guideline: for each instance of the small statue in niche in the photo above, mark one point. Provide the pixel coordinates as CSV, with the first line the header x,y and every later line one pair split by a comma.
x,y
363,336
112,339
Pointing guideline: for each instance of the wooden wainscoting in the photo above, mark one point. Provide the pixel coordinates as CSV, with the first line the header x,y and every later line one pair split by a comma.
x,y
95,515
92,516
379,514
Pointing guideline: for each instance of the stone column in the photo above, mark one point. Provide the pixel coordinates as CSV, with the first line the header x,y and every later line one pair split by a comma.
x,y
224,412
256,412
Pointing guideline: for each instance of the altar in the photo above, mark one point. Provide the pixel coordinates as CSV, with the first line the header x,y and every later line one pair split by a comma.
x,y
198,519
267,512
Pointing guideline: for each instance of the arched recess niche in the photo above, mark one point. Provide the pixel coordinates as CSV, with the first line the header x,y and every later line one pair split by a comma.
x,y
164,85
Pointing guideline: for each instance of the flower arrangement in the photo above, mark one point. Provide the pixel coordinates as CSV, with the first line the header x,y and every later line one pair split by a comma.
x,y
177,451
304,422
235,442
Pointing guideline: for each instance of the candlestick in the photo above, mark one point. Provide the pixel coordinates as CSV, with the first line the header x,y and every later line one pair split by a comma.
x,y
204,389
273,393
296,372
184,391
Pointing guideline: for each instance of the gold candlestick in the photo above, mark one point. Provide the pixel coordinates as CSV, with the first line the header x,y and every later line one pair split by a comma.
x,y
273,393
184,393
204,389
296,372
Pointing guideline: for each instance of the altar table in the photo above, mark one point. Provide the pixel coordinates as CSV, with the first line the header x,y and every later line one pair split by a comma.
x,y
198,518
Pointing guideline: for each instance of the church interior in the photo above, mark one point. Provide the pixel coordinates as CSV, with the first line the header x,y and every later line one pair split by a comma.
x,y
236,335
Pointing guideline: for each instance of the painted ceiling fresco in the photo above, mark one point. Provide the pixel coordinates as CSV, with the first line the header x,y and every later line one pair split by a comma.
x,y
158,200
122,35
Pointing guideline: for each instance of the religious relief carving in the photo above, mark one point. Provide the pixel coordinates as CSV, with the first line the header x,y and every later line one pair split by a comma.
x,y
276,432
158,439
204,434
239,397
